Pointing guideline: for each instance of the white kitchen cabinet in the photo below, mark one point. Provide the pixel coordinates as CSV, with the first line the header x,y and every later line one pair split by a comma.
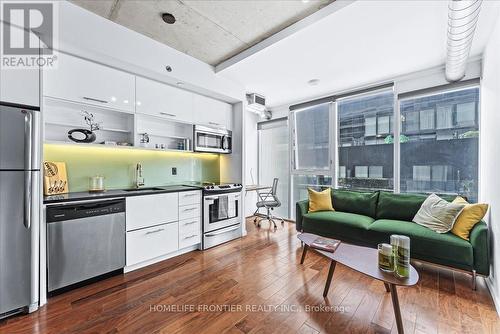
x,y
20,85
189,232
189,211
84,81
189,197
212,112
157,99
189,238
148,243
149,210
189,225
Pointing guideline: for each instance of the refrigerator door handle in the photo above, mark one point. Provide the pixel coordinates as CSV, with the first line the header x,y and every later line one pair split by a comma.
x,y
28,154
28,139
27,199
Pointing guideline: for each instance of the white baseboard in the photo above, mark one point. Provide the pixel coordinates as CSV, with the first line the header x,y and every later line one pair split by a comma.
x,y
494,296
160,258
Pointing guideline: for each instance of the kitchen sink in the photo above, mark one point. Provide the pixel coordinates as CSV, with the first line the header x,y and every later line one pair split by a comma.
x,y
144,189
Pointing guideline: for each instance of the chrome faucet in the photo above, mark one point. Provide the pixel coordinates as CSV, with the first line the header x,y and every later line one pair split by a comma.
x,y
139,179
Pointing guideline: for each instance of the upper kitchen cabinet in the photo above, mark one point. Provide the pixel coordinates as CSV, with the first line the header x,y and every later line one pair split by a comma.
x,y
20,85
212,112
83,81
157,99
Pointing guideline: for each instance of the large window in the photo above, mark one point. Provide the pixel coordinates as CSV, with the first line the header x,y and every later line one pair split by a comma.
x,y
365,141
437,144
311,142
439,147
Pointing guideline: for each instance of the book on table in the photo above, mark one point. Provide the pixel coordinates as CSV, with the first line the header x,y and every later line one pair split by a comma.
x,y
325,244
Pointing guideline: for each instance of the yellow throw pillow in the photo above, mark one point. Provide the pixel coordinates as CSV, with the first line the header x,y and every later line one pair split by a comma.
x,y
470,216
320,200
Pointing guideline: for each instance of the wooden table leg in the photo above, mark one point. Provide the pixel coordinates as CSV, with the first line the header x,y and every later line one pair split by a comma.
x,y
304,251
387,289
329,278
397,311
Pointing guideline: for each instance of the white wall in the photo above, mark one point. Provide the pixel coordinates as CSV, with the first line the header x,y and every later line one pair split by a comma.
x,y
426,78
251,153
490,152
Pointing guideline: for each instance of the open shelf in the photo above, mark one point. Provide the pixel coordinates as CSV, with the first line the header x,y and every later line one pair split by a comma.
x,y
60,116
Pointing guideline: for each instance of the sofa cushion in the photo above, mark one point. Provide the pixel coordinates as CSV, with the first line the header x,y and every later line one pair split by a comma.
x,y
401,206
363,203
341,225
441,248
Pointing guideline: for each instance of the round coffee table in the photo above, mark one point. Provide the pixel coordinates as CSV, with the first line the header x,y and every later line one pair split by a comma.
x,y
365,261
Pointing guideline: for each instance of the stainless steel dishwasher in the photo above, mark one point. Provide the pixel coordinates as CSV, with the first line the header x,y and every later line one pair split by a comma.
x,y
84,240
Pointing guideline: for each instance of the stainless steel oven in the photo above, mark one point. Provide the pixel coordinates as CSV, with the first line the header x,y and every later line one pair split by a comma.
x,y
207,139
221,214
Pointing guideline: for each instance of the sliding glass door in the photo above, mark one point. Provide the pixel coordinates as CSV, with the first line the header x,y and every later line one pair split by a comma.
x,y
274,160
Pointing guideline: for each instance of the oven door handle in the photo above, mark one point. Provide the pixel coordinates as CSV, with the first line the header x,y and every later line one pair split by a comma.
x,y
221,232
210,198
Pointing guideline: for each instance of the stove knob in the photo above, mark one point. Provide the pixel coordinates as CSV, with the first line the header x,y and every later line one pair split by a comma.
x,y
211,187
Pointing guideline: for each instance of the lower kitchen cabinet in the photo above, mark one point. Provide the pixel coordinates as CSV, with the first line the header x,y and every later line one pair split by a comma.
x,y
151,242
189,232
161,226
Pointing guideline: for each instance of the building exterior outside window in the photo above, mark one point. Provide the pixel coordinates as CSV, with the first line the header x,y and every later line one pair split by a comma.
x,y
440,152
365,144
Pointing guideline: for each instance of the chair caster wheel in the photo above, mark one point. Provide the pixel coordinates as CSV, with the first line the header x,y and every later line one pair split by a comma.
x,y
255,220
258,225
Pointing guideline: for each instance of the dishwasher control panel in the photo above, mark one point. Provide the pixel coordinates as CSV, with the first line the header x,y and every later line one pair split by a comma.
x,y
58,213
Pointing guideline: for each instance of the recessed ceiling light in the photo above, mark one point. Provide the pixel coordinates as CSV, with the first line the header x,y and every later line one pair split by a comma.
x,y
305,1
180,83
168,18
313,82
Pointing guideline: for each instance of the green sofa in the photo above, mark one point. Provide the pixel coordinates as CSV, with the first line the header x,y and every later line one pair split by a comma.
x,y
369,218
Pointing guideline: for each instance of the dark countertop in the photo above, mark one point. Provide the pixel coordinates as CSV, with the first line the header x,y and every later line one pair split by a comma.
x,y
85,195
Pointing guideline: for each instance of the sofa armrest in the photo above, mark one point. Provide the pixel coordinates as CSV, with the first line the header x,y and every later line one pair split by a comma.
x,y
481,248
301,208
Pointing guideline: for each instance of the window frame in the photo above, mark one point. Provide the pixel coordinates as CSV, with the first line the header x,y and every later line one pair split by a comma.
x,y
293,143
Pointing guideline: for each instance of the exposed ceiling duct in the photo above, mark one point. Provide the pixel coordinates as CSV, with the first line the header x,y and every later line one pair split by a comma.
x,y
462,21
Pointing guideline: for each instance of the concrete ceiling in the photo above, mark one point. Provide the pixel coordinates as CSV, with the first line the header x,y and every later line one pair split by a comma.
x,y
360,44
209,30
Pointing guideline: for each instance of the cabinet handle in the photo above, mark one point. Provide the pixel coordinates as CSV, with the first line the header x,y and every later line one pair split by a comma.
x,y
155,231
191,236
189,195
190,209
190,223
95,100
167,114
213,123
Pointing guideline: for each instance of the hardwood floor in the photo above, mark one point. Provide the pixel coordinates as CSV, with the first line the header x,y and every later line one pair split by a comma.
x,y
259,287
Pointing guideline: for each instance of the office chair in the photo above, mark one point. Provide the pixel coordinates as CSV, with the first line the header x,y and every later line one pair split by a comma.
x,y
269,201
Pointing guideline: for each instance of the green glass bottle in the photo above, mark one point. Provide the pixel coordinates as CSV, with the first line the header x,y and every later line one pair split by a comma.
x,y
403,257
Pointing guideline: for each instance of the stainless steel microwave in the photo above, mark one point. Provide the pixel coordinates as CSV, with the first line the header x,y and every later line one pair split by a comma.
x,y
208,139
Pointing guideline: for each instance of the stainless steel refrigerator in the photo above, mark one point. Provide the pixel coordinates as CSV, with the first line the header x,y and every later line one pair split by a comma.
x,y
19,208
